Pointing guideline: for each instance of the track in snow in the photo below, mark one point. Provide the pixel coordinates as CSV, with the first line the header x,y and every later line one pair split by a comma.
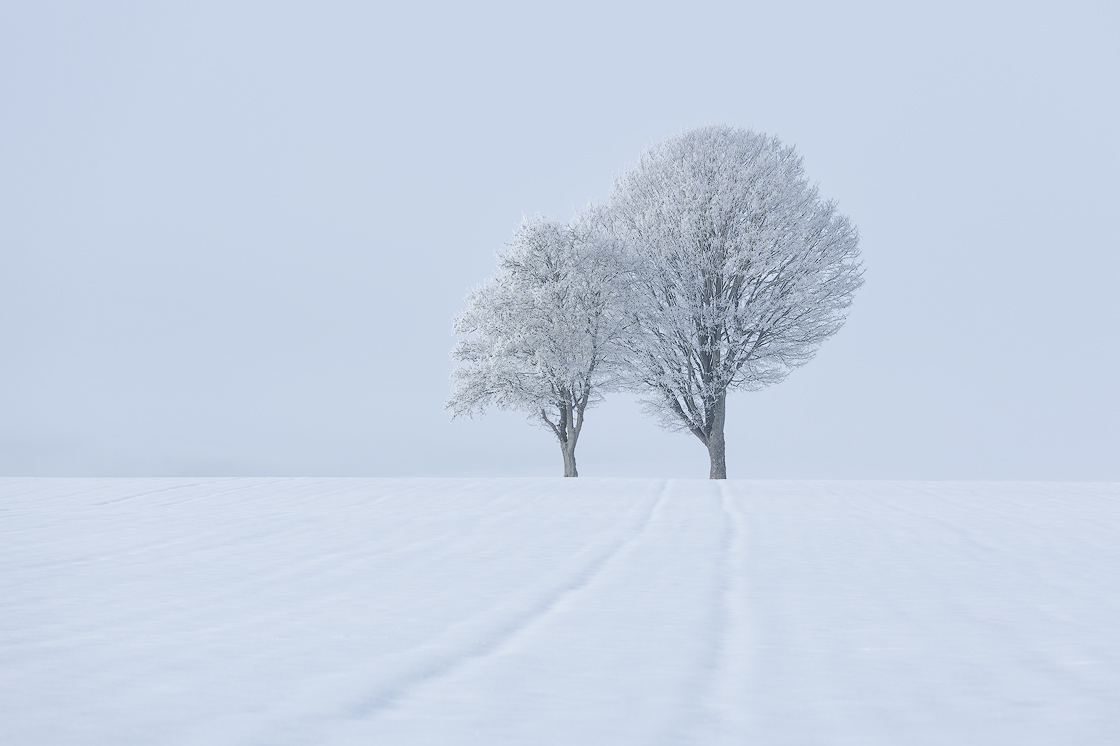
x,y
310,611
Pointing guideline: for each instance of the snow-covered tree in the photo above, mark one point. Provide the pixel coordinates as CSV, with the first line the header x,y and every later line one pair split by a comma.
x,y
741,271
542,336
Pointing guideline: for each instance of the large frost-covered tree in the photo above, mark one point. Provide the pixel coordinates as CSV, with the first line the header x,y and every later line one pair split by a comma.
x,y
542,336
741,270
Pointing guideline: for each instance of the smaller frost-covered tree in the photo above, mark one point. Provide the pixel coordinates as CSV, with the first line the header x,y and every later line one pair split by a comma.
x,y
541,336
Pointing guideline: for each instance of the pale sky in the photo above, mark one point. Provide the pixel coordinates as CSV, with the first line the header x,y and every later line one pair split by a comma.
x,y
233,236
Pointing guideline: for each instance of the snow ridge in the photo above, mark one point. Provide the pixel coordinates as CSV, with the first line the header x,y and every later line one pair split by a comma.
x,y
718,700
729,697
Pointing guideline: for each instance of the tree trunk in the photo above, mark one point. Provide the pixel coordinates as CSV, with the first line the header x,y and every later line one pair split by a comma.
x,y
716,448
567,430
569,450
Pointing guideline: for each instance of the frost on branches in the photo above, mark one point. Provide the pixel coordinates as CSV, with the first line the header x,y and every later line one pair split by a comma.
x,y
542,336
741,272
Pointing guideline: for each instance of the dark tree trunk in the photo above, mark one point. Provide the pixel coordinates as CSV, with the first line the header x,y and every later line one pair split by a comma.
x,y
567,431
716,448
569,450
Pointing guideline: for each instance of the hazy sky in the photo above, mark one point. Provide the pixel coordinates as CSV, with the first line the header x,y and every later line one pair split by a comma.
x,y
233,236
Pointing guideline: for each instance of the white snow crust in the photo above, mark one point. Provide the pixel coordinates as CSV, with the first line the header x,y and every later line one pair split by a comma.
x,y
549,611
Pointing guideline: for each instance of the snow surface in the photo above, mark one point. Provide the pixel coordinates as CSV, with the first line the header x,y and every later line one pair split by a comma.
x,y
549,611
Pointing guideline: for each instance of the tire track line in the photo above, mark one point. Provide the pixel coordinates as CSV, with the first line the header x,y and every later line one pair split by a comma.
x,y
447,656
165,489
726,706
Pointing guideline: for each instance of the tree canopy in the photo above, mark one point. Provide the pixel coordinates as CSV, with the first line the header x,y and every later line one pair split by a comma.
x,y
741,271
715,265
542,336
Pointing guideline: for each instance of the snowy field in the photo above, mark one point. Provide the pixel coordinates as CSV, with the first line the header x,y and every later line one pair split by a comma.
x,y
549,611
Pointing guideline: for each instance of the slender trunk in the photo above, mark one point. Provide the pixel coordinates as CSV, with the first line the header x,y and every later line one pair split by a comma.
x,y
716,449
571,421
